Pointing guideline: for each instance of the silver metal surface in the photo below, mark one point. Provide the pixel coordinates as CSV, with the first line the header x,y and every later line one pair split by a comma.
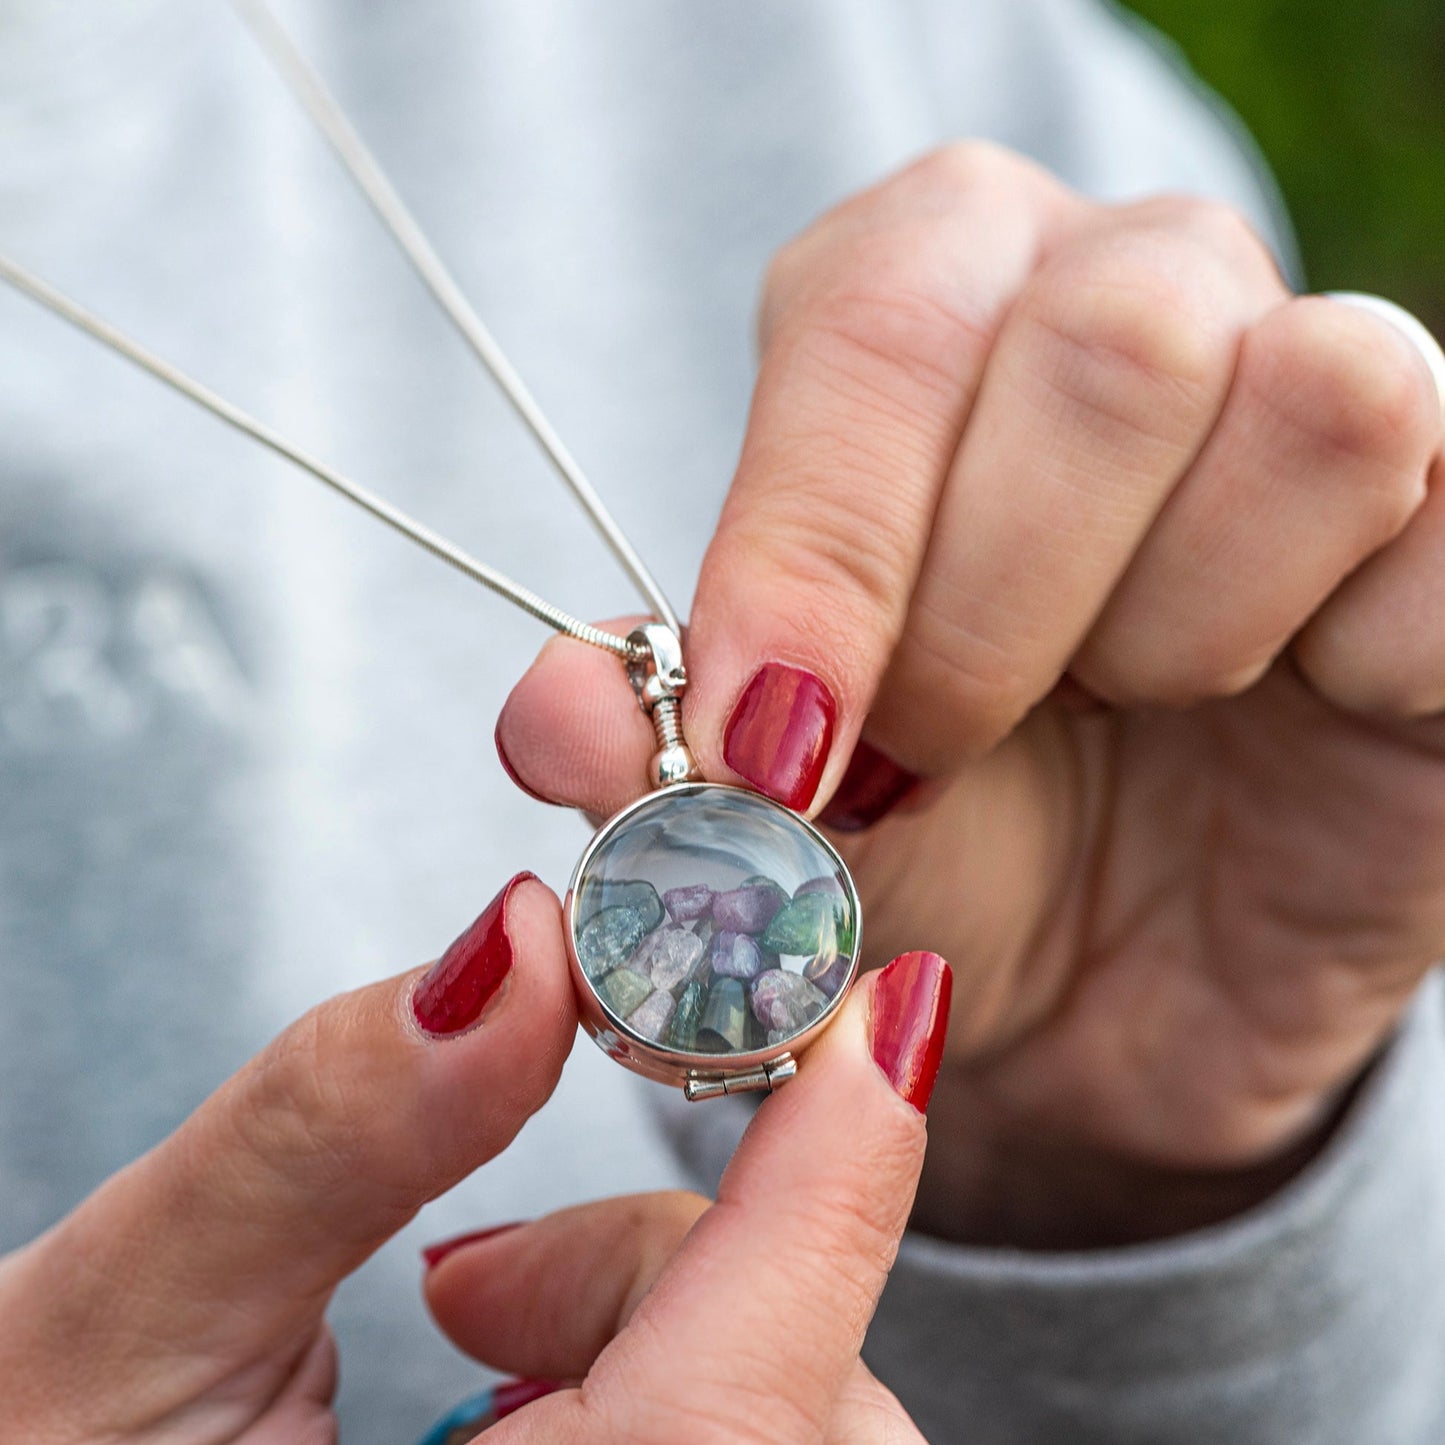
x,y
765,1080
310,90
56,301
659,679
695,1073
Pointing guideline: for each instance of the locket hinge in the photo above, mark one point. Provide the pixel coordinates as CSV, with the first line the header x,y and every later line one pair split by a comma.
x,y
763,1080
655,670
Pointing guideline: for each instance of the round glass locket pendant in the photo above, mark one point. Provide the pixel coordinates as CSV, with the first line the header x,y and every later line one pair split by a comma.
x,y
712,933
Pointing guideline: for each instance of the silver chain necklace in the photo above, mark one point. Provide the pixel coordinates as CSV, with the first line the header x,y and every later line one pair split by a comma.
x,y
712,932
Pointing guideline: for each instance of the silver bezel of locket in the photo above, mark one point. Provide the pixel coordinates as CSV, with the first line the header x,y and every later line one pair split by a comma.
x,y
700,1076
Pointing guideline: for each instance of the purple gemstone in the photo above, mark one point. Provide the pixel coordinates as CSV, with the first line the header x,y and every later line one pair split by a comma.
x,y
748,909
832,979
652,1018
686,904
786,1001
734,955
668,955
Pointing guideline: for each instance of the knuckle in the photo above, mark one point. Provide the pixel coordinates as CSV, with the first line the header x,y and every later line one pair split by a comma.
x,y
1134,331
1225,230
1192,672
295,1113
965,165
889,333
834,584
786,273
970,676
1359,670
1341,379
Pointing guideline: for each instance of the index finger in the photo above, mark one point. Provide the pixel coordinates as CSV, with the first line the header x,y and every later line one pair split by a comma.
x,y
874,358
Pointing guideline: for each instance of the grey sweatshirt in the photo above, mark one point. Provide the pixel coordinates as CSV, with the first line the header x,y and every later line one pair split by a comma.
x,y
245,755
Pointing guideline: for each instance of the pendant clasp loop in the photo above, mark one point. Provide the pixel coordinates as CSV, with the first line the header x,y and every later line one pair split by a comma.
x,y
659,678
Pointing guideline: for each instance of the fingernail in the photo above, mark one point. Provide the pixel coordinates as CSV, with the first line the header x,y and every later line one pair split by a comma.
x,y
433,1254
463,980
871,788
508,1398
779,733
910,1022
472,1416
511,772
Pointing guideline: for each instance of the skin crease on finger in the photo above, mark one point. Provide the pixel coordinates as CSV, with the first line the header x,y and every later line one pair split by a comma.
x,y
805,1227
279,1186
1182,927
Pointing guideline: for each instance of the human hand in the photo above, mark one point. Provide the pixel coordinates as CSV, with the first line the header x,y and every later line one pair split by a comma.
x,y
740,1321
1011,455
184,1300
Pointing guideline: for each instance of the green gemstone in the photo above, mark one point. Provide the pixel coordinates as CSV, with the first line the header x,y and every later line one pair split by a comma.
x,y
724,1018
808,925
608,939
634,893
623,990
683,1034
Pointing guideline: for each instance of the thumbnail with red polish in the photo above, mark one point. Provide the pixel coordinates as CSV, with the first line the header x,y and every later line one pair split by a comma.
x,y
871,788
433,1254
910,1023
464,979
780,731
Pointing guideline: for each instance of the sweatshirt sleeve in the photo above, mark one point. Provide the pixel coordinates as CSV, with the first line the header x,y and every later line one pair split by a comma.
x,y
1317,1318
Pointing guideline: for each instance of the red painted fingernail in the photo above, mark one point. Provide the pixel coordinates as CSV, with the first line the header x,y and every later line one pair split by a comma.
x,y
433,1254
509,1398
910,1022
779,733
511,772
463,980
871,788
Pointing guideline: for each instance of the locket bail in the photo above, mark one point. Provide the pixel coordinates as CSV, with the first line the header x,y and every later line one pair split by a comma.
x,y
659,678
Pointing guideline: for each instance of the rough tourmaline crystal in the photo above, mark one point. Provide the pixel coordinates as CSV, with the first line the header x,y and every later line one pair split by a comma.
x,y
748,909
654,1015
634,893
830,980
608,938
668,955
683,1033
786,1002
734,955
623,990
724,1018
804,925
689,903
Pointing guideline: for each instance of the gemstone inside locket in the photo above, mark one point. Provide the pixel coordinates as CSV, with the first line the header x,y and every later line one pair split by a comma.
x,y
710,920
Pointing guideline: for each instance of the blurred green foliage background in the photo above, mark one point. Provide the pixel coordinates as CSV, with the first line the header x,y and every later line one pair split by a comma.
x,y
1347,100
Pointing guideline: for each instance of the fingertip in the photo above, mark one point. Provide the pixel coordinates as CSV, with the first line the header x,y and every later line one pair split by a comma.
x,y
458,989
908,1024
571,732
779,733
